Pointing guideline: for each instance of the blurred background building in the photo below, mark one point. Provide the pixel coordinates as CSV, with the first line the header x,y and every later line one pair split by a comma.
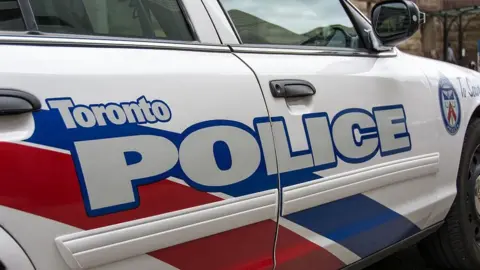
x,y
448,21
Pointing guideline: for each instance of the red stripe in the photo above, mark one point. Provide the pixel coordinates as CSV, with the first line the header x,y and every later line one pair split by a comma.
x,y
44,183
295,252
249,247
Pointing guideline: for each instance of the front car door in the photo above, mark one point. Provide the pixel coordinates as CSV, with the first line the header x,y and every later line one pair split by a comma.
x,y
354,130
143,155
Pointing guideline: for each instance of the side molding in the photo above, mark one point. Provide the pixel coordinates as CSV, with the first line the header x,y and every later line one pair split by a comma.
x,y
307,195
113,243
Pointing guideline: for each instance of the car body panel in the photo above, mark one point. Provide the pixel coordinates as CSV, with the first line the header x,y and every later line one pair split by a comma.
x,y
219,174
466,83
12,256
355,189
47,167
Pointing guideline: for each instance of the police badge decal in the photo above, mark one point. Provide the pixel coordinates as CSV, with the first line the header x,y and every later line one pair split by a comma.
x,y
450,105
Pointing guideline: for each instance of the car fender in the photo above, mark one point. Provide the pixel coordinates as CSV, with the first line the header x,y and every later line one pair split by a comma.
x,y
466,85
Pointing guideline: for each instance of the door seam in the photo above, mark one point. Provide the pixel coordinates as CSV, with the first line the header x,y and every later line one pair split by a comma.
x,y
280,197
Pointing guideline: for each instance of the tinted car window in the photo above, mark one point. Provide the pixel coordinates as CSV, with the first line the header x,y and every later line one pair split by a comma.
x,y
122,18
10,16
292,22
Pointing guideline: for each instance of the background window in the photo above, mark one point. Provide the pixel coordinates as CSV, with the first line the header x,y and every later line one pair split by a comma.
x,y
123,18
10,16
292,22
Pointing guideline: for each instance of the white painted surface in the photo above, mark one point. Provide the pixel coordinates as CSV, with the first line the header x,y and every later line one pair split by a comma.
x,y
221,22
303,196
11,254
201,22
43,252
103,75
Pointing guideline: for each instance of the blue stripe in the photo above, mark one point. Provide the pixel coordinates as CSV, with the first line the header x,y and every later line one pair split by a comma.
x,y
358,223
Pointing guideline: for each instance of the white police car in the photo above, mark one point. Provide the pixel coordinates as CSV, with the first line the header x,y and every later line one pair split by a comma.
x,y
230,134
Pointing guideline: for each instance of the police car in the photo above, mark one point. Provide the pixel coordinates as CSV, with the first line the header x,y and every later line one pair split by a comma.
x,y
231,134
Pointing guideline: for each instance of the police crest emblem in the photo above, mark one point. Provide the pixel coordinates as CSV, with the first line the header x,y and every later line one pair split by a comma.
x,y
450,105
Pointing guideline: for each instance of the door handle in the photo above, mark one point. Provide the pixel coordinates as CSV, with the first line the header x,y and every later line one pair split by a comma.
x,y
14,101
291,88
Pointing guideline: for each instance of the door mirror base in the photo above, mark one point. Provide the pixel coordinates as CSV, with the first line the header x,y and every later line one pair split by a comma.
x,y
375,43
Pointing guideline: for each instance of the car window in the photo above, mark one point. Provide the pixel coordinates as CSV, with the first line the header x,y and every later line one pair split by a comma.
x,y
121,18
292,22
10,16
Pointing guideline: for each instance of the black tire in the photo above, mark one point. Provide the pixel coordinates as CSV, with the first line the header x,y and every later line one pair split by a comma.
x,y
456,244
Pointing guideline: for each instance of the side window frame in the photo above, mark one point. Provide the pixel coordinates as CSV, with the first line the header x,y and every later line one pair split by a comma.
x,y
354,21
232,25
345,8
350,10
205,37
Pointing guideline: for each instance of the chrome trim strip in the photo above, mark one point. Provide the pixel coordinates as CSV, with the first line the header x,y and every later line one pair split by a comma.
x,y
245,49
310,51
307,195
88,41
96,247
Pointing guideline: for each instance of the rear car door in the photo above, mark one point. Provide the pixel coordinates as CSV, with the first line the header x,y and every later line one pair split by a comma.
x,y
354,130
142,155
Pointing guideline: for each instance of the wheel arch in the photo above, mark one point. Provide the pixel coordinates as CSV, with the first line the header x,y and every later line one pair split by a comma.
x,y
12,256
474,115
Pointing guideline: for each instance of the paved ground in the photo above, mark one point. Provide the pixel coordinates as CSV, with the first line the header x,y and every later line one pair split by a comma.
x,y
408,259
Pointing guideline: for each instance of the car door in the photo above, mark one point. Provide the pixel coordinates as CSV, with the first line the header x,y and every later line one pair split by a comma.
x,y
354,130
126,142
